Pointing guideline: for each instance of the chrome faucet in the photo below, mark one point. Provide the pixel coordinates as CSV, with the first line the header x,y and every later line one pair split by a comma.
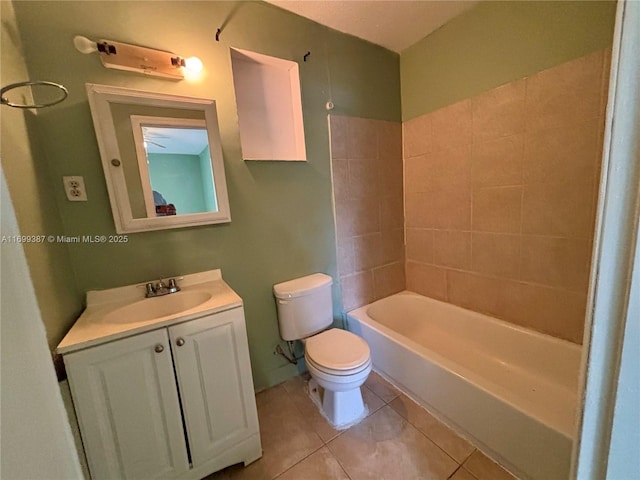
x,y
159,289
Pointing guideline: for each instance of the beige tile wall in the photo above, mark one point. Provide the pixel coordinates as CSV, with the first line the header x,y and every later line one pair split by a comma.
x,y
500,194
367,179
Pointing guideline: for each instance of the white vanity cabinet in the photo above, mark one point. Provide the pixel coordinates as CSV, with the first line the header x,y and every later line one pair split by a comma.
x,y
174,402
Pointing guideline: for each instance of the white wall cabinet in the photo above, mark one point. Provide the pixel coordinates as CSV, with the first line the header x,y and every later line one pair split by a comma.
x,y
176,402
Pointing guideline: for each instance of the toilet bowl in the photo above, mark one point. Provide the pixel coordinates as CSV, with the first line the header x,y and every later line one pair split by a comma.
x,y
338,361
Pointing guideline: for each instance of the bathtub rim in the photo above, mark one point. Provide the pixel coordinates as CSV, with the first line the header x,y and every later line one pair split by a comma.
x,y
494,320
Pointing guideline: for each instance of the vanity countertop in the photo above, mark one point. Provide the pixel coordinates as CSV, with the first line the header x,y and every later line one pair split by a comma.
x,y
94,327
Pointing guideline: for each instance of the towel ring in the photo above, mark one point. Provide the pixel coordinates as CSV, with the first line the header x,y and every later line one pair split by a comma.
x,y
5,101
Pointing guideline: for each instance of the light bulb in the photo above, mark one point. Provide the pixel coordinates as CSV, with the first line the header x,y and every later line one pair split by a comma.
x,y
84,45
193,64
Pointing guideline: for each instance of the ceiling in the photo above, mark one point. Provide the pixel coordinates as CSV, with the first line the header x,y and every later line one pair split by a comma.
x,y
180,141
394,25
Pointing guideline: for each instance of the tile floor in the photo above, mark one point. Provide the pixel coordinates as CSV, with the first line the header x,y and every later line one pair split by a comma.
x,y
397,440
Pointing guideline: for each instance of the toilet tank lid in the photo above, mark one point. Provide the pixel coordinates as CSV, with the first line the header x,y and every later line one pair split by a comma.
x,y
301,286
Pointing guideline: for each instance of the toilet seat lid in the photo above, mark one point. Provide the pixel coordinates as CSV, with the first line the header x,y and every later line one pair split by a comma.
x,y
337,349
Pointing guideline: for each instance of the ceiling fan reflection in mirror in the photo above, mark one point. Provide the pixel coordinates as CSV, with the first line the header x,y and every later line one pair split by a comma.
x,y
151,137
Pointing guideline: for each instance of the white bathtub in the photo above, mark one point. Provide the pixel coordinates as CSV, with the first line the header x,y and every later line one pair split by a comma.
x,y
510,390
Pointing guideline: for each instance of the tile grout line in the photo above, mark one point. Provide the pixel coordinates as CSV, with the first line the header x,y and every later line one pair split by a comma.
x,y
498,277
506,234
469,456
454,472
338,460
432,440
346,430
400,392
326,443
322,442
299,461
460,464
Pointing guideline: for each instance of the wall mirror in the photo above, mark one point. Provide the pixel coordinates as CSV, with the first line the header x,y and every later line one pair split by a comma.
x,y
162,158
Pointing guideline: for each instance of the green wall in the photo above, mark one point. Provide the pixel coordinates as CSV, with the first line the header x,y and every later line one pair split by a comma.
x,y
179,179
282,222
495,43
27,173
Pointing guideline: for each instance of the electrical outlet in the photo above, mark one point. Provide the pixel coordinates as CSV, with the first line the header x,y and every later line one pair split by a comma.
x,y
74,188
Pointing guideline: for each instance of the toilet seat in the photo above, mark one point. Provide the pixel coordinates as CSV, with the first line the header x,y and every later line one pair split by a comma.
x,y
338,352
337,373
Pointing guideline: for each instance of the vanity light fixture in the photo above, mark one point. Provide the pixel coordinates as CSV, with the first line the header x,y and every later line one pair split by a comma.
x,y
193,64
148,61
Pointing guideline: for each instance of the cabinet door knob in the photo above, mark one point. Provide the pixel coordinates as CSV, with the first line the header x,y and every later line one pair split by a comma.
x,y
159,348
180,341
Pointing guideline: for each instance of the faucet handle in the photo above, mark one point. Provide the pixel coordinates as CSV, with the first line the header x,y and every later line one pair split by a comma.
x,y
150,290
173,286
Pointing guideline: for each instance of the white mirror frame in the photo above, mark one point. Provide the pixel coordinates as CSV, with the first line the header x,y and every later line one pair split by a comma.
x,y
100,99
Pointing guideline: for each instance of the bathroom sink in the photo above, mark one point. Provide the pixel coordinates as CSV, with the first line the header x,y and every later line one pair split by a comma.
x,y
157,307
123,311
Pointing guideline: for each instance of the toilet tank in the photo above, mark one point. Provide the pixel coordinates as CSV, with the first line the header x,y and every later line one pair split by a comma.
x,y
304,306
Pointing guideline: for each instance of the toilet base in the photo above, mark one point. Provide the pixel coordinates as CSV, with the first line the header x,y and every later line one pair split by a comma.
x,y
341,409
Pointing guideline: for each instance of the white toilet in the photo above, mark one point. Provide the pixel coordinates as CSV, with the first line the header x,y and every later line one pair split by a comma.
x,y
339,361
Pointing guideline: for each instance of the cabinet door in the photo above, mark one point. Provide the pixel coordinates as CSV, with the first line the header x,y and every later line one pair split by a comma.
x,y
211,357
126,399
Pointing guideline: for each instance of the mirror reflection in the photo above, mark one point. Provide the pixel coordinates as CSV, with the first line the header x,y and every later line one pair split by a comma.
x,y
174,162
162,158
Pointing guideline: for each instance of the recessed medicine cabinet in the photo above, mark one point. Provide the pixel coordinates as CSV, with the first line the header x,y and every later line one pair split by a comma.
x,y
162,158
269,106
